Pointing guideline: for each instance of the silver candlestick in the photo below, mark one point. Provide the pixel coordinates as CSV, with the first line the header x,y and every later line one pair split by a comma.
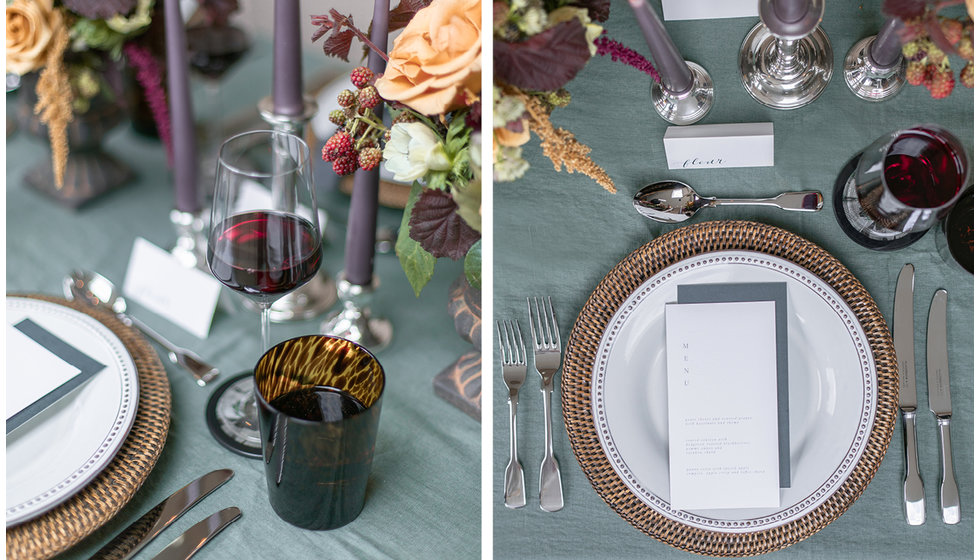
x,y
689,106
191,246
874,68
354,321
320,293
786,60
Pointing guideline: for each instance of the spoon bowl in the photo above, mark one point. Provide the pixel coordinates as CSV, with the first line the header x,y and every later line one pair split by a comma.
x,y
671,202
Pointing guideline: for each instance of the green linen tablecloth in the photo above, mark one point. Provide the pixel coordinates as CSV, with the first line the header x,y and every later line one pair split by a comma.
x,y
559,234
423,495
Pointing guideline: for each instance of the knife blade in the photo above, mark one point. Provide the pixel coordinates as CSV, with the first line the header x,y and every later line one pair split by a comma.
x,y
941,403
193,539
147,527
902,326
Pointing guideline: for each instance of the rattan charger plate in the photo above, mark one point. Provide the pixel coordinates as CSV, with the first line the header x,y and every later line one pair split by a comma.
x,y
94,505
616,288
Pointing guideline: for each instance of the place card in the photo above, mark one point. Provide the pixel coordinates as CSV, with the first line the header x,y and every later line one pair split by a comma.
x,y
706,146
721,405
709,9
758,291
40,370
159,282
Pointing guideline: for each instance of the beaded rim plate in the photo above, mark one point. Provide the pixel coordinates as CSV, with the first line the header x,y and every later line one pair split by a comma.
x,y
831,393
59,451
615,290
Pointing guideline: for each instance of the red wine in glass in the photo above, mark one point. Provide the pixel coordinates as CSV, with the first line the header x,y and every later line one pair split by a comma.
x,y
264,254
921,170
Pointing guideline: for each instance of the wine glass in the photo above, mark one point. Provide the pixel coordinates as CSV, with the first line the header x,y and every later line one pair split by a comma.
x,y
902,184
264,242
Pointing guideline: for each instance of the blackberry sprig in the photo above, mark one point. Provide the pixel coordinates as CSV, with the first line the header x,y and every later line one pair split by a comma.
x,y
357,142
929,64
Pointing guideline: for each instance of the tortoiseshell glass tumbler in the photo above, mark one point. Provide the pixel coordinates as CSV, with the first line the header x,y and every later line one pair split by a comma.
x,y
319,403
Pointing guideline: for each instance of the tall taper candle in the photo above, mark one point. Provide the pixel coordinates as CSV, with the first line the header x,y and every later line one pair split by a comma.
x,y
363,217
181,111
287,61
676,75
887,46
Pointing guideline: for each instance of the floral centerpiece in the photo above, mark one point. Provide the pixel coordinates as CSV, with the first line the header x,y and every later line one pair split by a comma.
x,y
431,88
930,39
538,47
76,46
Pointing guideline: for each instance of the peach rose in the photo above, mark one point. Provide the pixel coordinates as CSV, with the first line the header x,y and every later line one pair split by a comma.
x,y
30,26
434,65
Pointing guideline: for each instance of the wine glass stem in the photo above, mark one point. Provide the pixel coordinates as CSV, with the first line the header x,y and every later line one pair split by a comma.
x,y
266,324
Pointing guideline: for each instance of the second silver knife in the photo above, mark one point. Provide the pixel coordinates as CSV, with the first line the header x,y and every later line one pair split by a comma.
x,y
902,327
187,544
941,403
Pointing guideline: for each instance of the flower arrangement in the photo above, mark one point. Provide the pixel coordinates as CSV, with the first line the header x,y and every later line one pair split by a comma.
x,y
74,45
431,88
930,40
538,47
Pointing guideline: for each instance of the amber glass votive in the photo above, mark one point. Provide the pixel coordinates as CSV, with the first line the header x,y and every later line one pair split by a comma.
x,y
319,400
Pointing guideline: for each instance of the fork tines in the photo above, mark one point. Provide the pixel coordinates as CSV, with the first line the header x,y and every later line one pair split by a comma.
x,y
545,336
511,343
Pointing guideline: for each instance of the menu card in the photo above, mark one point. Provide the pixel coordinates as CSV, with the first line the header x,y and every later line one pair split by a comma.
x,y
721,395
758,291
41,369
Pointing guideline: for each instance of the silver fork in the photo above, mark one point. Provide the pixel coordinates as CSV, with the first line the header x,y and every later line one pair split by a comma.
x,y
513,362
547,357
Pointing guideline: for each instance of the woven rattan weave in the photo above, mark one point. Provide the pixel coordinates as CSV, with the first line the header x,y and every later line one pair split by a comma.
x,y
617,286
67,524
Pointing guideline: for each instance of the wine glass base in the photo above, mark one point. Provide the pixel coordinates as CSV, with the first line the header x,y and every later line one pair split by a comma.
x,y
687,108
777,87
857,224
232,419
866,79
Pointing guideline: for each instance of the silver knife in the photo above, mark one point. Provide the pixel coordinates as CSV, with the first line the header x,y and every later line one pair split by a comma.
x,y
941,403
902,325
193,539
132,539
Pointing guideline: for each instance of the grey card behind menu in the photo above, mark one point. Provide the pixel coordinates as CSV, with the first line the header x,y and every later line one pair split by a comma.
x,y
758,291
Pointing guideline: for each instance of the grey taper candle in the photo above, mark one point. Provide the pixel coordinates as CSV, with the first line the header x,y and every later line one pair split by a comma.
x,y
886,49
790,11
362,220
287,61
181,111
676,76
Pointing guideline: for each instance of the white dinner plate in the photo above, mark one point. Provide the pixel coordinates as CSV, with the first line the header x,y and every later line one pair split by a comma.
x,y
59,451
832,388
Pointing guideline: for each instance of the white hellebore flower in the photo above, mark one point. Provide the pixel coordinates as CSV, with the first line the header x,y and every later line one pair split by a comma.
x,y
413,151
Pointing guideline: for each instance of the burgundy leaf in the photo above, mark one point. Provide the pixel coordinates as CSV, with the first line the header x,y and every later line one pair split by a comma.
x,y
404,12
546,61
100,9
435,224
904,8
598,9
338,44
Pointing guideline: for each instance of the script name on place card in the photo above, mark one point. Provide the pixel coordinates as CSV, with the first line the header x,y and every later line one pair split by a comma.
x,y
709,9
185,296
707,146
721,405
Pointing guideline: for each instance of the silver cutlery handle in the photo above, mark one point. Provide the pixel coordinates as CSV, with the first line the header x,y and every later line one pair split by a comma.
x,y
915,504
549,483
805,201
949,494
202,371
514,475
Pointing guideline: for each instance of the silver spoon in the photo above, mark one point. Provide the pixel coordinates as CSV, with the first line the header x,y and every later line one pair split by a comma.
x,y
674,201
98,291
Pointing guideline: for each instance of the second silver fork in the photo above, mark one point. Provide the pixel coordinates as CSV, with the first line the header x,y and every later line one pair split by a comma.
x,y
513,362
547,358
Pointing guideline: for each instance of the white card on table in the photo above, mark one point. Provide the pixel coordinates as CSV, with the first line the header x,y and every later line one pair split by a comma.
x,y
722,405
159,282
703,146
709,9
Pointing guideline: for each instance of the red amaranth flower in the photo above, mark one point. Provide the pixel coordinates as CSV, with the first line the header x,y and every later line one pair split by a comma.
x,y
605,45
149,76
